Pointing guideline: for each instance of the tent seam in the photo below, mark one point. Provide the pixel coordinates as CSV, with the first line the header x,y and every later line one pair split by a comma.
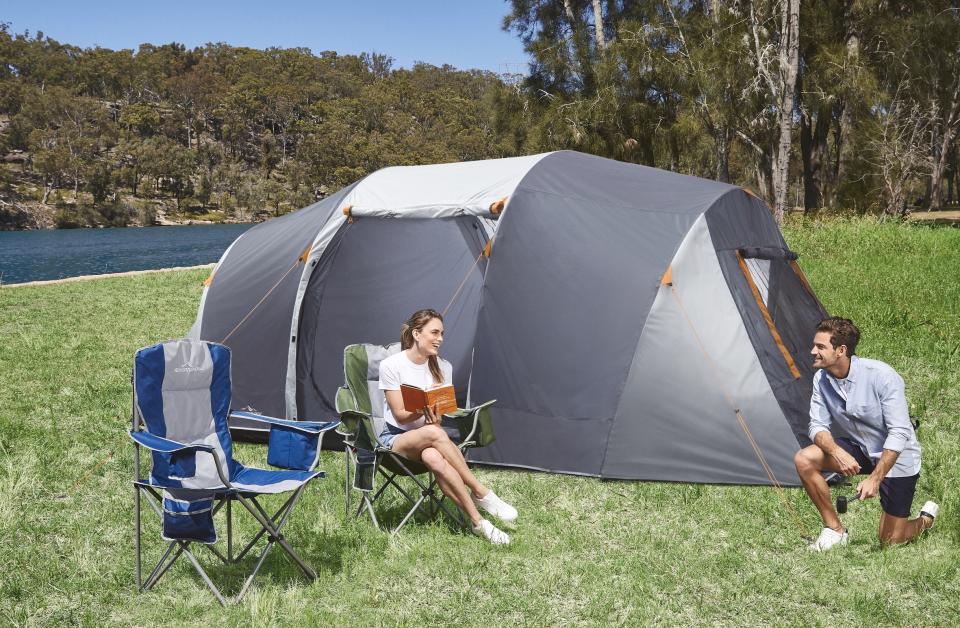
x,y
629,369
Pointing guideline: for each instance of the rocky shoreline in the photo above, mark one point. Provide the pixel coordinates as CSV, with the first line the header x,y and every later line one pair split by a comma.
x,y
34,215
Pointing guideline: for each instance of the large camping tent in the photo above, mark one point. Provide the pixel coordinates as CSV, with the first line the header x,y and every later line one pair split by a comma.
x,y
631,322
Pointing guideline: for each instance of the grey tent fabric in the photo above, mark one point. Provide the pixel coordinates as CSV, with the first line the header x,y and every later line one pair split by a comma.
x,y
383,285
612,322
738,226
667,400
254,265
613,230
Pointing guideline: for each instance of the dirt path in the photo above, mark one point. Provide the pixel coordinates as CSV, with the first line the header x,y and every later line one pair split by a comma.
x,y
937,218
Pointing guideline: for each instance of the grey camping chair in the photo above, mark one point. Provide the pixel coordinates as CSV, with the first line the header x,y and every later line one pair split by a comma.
x,y
374,468
181,404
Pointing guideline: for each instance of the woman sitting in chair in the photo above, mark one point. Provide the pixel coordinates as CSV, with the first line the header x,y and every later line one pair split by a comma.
x,y
418,435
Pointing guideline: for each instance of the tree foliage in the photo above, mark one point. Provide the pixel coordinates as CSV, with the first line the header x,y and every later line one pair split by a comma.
x,y
701,86
860,111
249,132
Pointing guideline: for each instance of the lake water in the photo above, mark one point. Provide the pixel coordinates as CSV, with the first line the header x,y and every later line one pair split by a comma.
x,y
57,253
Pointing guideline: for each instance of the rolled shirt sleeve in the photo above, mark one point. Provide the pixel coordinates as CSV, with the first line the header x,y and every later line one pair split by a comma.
x,y
819,414
896,417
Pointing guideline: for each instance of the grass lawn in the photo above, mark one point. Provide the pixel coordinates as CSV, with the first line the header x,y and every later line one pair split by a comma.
x,y
585,552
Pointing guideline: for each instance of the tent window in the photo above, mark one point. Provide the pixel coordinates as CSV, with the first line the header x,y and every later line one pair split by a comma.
x,y
763,298
760,273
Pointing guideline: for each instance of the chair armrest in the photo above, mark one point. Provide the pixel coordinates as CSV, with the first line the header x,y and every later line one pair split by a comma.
x,y
292,444
344,400
165,445
306,427
172,447
476,429
359,429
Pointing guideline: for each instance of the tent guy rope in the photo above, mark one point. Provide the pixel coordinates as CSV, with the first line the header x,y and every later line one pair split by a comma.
x,y
781,492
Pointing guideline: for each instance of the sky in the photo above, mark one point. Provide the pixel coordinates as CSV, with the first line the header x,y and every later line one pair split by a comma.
x,y
463,33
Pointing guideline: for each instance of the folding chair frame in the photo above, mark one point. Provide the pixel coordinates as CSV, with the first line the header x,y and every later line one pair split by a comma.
x,y
270,525
398,466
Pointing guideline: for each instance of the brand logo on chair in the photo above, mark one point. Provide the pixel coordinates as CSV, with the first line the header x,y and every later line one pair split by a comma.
x,y
187,368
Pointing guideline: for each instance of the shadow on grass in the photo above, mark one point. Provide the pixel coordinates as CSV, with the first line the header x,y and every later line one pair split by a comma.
x,y
391,509
326,554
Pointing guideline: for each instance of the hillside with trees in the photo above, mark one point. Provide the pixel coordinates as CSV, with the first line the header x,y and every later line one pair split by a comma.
x,y
850,105
104,137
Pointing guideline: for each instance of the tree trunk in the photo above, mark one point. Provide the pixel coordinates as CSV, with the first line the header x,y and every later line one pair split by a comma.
x,y
950,125
810,191
763,181
844,130
674,152
598,25
813,149
581,55
951,173
789,62
721,145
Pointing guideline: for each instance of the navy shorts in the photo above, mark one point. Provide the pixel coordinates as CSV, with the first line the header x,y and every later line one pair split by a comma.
x,y
389,433
896,494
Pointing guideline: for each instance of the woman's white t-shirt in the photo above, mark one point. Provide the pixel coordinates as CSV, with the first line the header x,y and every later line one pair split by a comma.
x,y
398,369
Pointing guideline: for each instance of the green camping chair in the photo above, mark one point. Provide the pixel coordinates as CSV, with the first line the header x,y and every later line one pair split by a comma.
x,y
360,402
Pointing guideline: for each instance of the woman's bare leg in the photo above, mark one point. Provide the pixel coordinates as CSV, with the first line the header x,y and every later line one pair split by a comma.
x,y
450,483
411,444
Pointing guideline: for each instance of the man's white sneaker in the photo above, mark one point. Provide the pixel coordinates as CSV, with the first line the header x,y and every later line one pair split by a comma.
x,y
930,509
497,507
829,538
492,533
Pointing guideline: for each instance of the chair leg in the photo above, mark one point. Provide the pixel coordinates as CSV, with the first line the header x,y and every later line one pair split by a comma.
x,y
203,574
366,502
274,536
263,531
409,515
162,566
279,538
136,536
427,492
230,529
346,483
213,549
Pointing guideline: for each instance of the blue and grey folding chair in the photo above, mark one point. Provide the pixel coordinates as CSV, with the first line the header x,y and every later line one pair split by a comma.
x,y
360,404
181,403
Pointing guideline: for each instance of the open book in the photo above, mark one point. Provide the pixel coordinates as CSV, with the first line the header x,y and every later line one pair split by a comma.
x,y
416,398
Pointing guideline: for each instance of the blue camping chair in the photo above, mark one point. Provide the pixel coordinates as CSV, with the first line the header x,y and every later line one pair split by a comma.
x,y
181,405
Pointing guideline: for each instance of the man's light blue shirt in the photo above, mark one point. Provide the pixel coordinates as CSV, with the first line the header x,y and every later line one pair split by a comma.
x,y
870,406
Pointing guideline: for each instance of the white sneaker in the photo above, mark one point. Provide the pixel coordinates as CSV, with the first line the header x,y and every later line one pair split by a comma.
x,y
497,507
492,533
827,539
930,509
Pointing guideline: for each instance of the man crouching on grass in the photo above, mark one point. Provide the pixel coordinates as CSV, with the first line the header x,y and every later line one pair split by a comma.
x,y
865,399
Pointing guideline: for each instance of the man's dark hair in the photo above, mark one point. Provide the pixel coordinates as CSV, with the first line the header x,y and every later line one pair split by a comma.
x,y
842,332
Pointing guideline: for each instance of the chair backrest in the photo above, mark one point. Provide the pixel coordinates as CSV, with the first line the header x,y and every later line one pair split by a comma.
x,y
361,371
182,393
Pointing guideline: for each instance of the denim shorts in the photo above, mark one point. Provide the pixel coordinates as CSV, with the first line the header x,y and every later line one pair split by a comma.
x,y
896,494
389,433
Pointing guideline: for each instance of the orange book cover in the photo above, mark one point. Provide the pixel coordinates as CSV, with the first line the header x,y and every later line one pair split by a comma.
x,y
416,398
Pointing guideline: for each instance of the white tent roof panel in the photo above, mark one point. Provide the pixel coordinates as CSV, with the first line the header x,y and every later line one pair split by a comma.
x,y
439,190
